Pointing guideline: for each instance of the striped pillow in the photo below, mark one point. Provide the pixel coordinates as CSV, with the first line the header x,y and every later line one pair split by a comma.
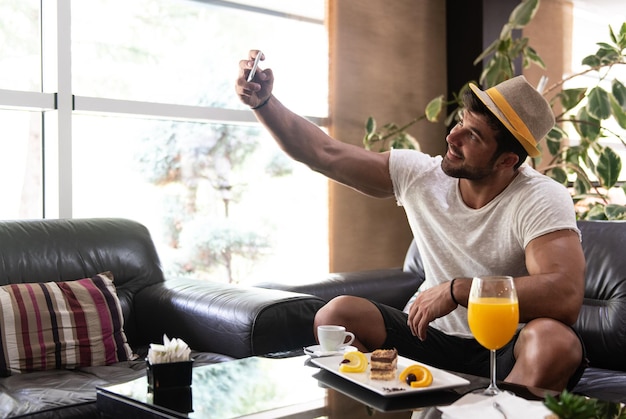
x,y
55,325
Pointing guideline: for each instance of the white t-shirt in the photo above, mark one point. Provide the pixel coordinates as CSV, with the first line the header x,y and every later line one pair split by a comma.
x,y
455,240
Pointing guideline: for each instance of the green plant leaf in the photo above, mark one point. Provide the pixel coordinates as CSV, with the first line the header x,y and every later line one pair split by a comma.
x,y
505,45
532,55
572,406
619,39
598,104
554,140
618,112
621,42
581,186
523,13
612,35
608,56
559,174
615,212
608,47
517,47
619,92
498,69
404,141
587,160
370,125
608,167
506,30
587,126
573,154
571,97
434,108
592,61
596,213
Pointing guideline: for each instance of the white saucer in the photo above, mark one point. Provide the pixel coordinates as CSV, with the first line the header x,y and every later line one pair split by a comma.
x,y
315,351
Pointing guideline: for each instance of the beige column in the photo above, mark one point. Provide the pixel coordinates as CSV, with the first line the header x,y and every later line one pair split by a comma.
x,y
387,60
550,34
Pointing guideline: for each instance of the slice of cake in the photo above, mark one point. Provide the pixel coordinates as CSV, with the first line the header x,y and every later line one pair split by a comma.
x,y
383,364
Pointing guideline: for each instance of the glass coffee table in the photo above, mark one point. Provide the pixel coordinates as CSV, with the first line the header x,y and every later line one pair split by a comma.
x,y
268,387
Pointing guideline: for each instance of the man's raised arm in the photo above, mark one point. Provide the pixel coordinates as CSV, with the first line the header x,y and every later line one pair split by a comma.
x,y
360,169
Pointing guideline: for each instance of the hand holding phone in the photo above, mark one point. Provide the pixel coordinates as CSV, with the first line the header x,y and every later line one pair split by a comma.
x,y
254,66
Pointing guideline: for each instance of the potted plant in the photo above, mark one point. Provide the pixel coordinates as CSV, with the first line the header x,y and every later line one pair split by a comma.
x,y
575,152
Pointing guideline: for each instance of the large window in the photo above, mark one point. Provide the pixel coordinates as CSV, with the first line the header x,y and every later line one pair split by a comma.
x,y
127,109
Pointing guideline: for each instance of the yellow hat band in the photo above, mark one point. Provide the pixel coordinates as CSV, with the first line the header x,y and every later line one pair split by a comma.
x,y
516,125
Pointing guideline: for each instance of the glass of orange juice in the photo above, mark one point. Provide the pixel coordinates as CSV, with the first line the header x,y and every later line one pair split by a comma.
x,y
493,316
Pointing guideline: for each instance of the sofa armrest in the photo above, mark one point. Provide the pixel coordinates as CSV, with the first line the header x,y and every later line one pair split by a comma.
x,y
393,287
229,319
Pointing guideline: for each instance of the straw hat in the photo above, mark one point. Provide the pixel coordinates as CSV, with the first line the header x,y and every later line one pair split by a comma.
x,y
522,110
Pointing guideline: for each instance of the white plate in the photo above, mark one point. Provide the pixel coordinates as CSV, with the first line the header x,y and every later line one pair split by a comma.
x,y
441,379
315,351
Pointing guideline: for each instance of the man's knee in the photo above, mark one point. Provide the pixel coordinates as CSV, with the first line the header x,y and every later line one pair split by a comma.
x,y
548,338
356,314
340,311
547,353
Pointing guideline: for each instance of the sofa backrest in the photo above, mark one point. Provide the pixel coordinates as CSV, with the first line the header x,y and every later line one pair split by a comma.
x,y
602,318
69,249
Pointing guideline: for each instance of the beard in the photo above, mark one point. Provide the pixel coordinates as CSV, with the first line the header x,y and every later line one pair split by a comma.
x,y
463,171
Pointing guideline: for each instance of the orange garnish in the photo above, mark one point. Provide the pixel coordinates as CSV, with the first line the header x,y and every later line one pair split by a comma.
x,y
357,362
422,376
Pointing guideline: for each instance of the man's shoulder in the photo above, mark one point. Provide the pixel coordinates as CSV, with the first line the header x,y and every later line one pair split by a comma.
x,y
543,205
530,177
402,155
413,163
532,173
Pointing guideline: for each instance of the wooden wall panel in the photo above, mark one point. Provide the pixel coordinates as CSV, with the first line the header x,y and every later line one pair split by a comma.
x,y
550,33
387,60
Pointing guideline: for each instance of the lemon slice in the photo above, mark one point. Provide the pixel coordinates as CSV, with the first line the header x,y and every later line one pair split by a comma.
x,y
419,376
357,362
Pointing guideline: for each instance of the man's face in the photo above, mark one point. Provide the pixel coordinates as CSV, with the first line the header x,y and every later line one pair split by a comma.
x,y
471,149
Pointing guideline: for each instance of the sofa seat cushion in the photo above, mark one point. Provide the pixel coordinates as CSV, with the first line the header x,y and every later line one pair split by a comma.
x,y
603,384
56,325
59,393
48,390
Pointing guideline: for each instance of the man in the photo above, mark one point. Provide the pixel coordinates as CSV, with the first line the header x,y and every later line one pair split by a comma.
x,y
475,211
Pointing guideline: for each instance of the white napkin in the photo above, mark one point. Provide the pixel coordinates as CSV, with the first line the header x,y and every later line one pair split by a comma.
x,y
172,350
481,407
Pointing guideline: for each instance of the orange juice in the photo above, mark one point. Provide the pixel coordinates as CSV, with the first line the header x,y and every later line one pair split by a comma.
x,y
493,320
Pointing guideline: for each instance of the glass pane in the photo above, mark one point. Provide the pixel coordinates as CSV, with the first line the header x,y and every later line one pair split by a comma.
x,y
187,52
222,202
20,50
20,165
590,26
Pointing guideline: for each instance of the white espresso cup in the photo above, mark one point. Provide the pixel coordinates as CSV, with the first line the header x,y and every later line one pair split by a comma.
x,y
333,338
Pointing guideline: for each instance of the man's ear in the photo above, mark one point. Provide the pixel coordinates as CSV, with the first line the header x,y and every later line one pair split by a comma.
x,y
509,159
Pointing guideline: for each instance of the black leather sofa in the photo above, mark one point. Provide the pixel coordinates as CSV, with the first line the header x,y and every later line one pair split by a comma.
x,y
221,321
601,322
218,321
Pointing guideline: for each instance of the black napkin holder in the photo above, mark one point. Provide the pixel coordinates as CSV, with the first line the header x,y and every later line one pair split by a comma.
x,y
169,375
179,399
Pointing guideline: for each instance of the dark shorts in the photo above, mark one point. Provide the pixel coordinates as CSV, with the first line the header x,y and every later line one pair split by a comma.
x,y
452,352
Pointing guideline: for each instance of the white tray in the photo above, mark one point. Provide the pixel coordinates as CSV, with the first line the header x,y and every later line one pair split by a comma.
x,y
441,379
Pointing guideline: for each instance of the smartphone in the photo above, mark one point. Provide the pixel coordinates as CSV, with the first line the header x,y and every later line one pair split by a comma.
x,y
254,66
